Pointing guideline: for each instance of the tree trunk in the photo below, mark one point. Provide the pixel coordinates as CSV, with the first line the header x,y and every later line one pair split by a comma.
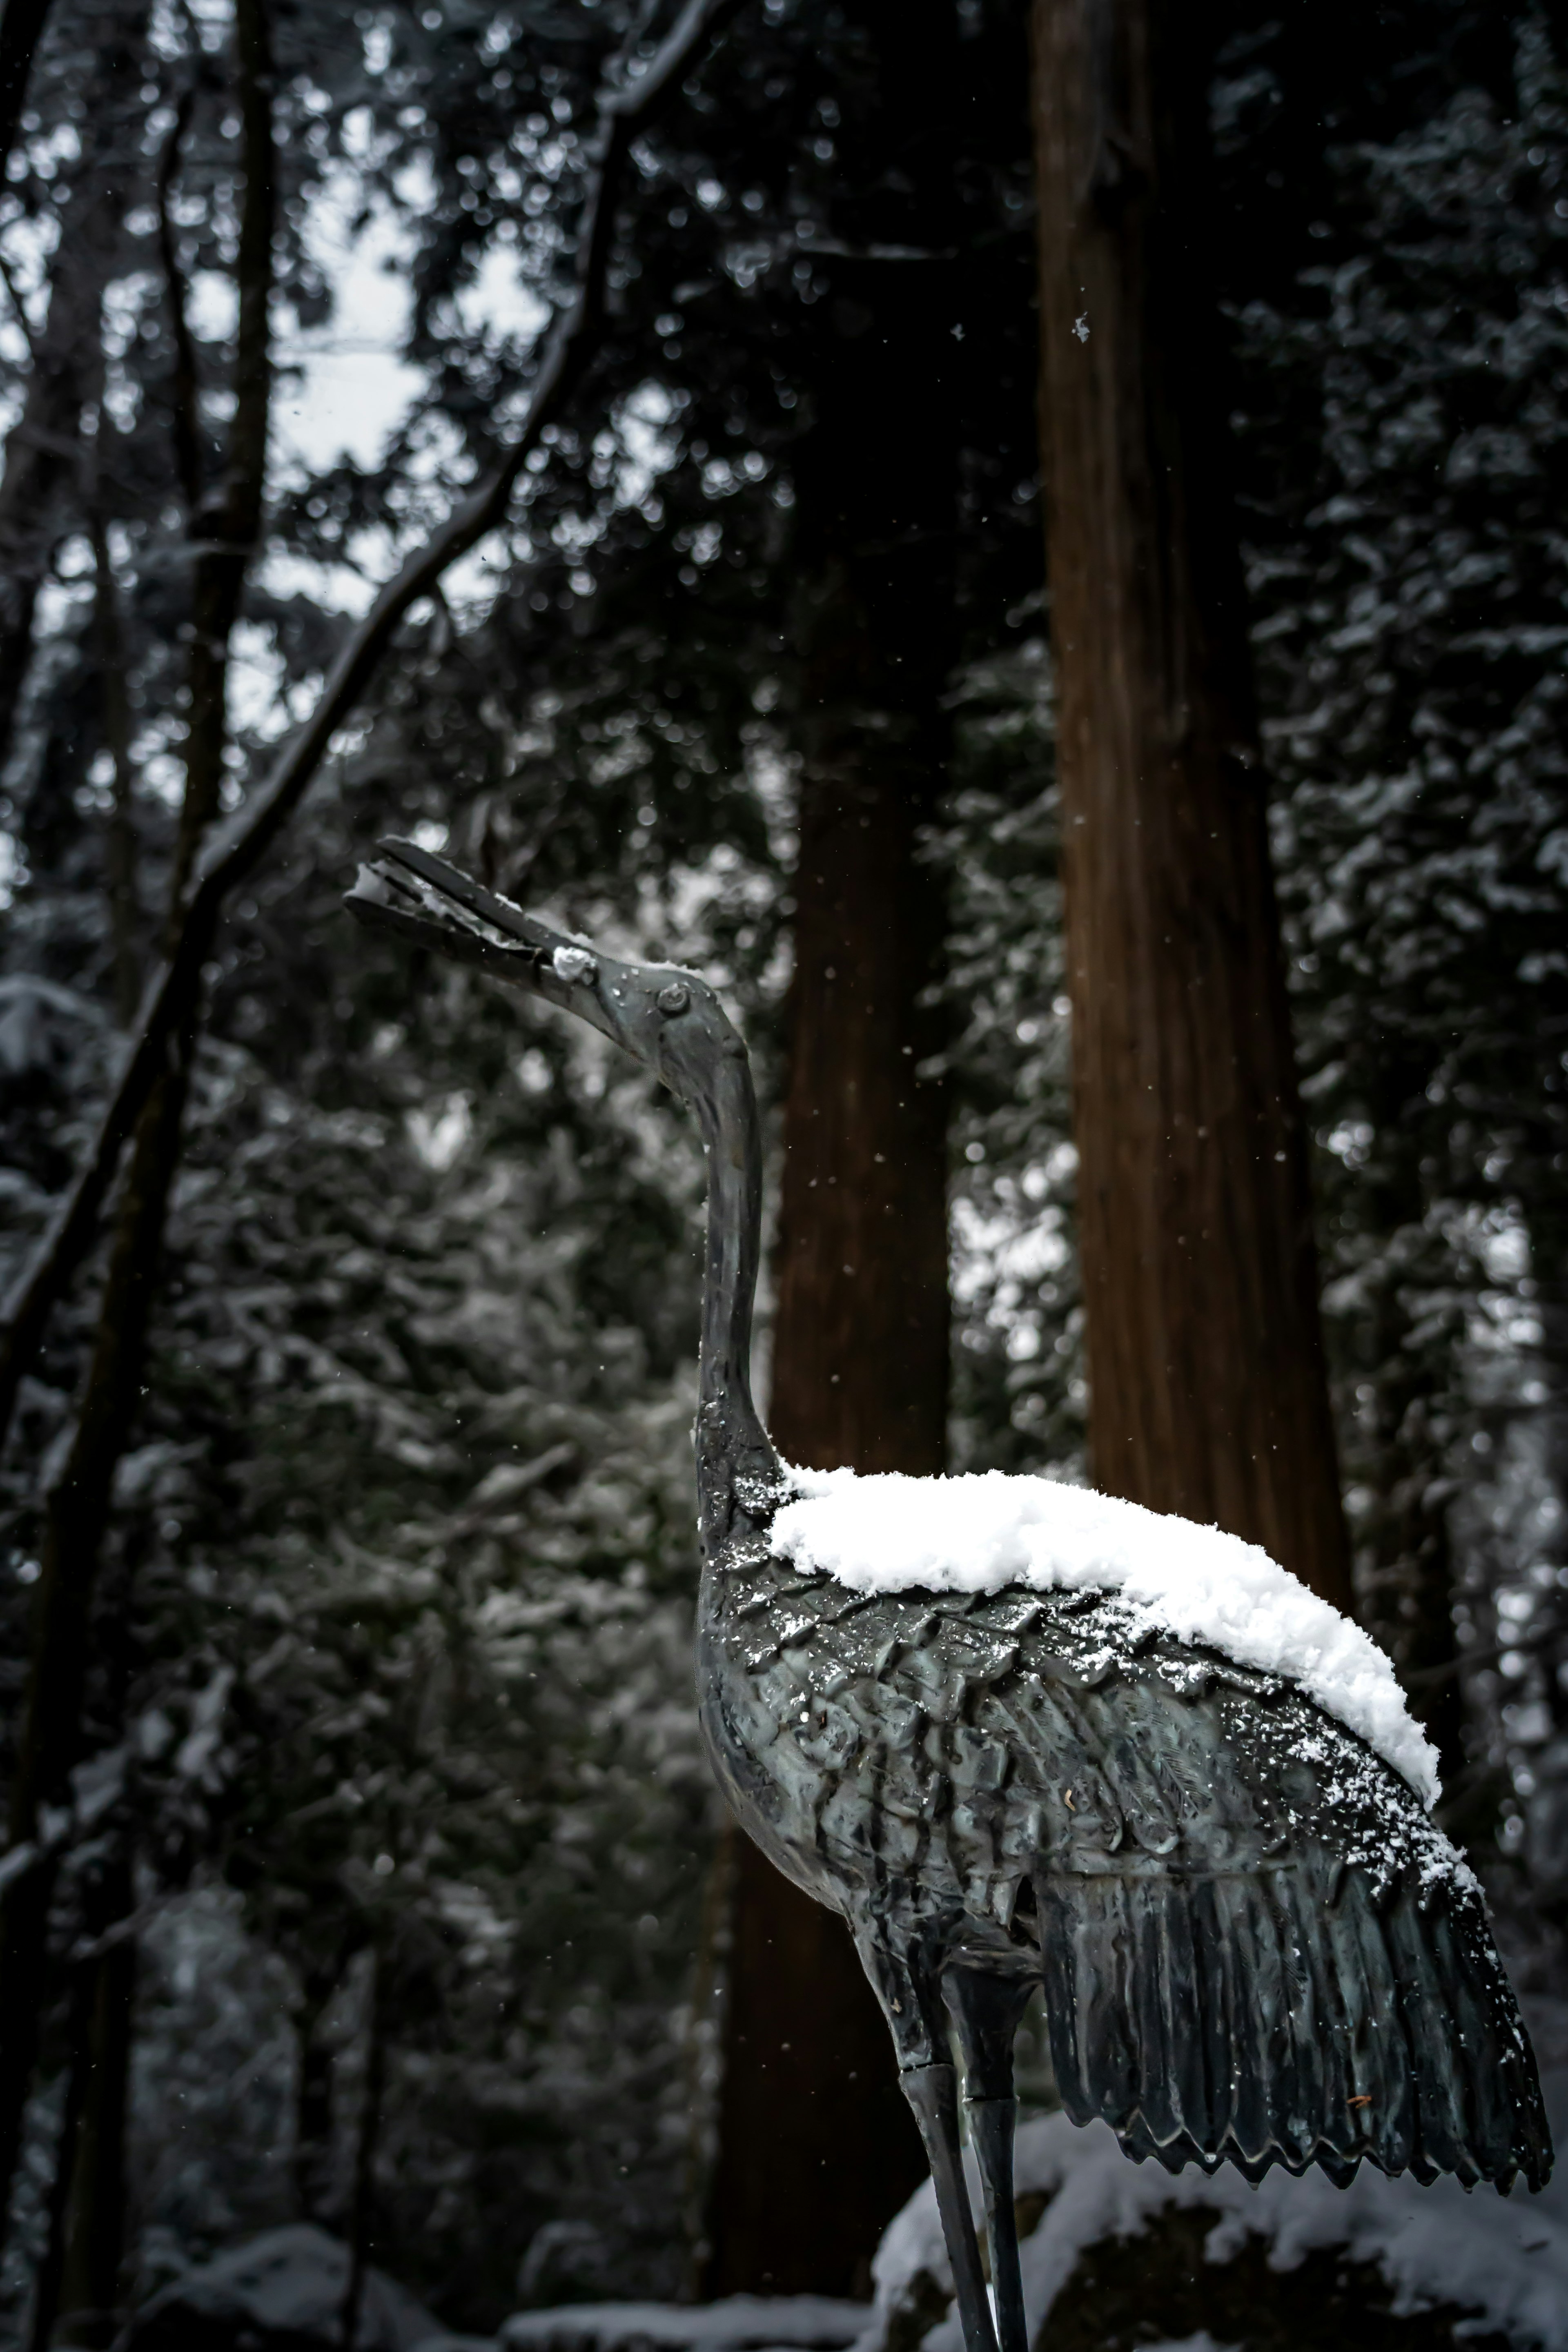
x,y
318,2195
51,2267
77,2279
817,2148
94,2244
1207,1389
363,2211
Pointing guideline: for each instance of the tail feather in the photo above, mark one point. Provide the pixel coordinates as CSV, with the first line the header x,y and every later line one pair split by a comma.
x,y
1239,2015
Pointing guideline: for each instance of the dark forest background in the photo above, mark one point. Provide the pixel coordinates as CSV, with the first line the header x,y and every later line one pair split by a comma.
x,y
378,1872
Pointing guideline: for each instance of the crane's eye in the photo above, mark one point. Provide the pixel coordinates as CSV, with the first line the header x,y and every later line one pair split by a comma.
x,y
675,998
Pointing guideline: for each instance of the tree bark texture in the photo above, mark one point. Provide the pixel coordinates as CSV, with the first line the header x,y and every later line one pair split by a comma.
x,y
1208,1395
816,2147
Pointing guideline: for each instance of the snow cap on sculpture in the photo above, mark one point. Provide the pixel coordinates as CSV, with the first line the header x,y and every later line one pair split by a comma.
x,y
980,1532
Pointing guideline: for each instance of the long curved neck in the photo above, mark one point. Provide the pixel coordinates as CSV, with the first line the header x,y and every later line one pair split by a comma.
x,y
737,1468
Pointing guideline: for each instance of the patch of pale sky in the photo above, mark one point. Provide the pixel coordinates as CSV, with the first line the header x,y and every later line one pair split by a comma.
x,y
348,388
255,682
212,305
500,301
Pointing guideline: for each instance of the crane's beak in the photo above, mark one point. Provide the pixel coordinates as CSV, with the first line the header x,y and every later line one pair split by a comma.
x,y
412,892
662,1016
409,890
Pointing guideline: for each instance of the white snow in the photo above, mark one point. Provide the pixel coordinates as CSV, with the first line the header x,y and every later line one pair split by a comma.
x,y
573,963
289,2281
1506,2258
738,2322
978,1533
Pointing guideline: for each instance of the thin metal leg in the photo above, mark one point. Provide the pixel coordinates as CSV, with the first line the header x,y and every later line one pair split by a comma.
x,y
932,2092
987,2007
991,2124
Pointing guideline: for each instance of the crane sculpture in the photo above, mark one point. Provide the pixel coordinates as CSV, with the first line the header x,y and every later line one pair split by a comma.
x,y
1254,1945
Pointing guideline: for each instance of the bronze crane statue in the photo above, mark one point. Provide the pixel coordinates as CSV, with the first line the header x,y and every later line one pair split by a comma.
x,y
1254,1946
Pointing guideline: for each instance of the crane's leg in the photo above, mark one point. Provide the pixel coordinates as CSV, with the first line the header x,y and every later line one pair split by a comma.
x,y
932,2092
987,2008
912,2005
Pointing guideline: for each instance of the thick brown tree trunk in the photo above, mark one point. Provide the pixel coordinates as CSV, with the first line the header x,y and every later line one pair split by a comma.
x,y
1208,1388
817,2148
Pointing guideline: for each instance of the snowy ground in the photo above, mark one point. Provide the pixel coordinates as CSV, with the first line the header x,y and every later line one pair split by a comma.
x,y
1504,2259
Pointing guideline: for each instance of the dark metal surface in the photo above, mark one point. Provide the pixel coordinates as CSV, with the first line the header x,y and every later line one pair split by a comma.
x,y
1254,1946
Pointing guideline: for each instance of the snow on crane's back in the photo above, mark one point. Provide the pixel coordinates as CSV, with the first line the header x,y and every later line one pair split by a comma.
x,y
979,1532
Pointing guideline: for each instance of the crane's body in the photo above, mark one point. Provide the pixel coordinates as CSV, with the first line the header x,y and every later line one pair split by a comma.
x,y
1254,1945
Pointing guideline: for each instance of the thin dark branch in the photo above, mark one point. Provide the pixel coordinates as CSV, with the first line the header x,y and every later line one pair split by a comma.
x,y
187,416
14,293
628,101
21,28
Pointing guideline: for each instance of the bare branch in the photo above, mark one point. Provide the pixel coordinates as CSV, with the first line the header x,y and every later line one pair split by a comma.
x,y
14,294
627,101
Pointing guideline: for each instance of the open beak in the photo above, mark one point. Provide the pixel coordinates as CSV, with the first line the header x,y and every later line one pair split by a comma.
x,y
409,890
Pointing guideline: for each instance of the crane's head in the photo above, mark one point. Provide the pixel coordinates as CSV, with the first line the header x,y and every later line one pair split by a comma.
x,y
665,1017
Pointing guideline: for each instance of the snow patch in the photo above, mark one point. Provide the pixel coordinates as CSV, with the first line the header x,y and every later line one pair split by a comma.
x,y
980,1532
819,2322
1505,2259
574,964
